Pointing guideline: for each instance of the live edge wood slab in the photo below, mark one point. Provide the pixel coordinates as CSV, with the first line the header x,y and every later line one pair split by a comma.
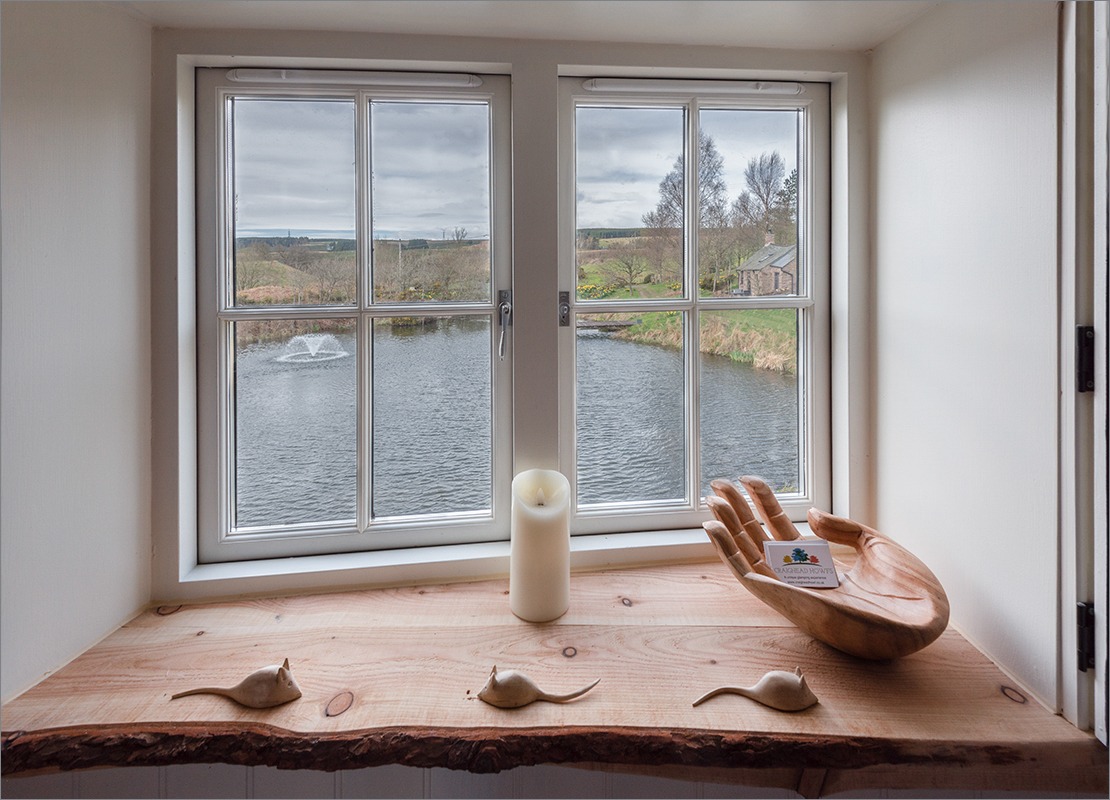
x,y
391,676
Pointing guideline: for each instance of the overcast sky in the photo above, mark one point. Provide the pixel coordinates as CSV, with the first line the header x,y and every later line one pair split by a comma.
x,y
624,153
295,168
294,164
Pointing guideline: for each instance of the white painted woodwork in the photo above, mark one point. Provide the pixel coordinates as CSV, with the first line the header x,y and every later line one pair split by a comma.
x,y
965,333
534,68
75,464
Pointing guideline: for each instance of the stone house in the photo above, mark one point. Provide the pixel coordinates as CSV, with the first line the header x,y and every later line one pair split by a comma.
x,y
772,269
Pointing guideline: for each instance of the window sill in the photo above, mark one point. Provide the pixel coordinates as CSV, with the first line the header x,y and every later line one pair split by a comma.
x,y
445,564
391,676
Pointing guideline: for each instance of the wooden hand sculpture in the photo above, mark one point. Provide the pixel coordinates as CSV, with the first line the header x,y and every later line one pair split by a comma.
x,y
888,605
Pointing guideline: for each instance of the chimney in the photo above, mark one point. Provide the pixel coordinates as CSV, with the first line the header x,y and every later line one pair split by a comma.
x,y
768,236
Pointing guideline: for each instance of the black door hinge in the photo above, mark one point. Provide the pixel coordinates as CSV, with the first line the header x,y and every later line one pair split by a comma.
x,y
1084,358
1085,635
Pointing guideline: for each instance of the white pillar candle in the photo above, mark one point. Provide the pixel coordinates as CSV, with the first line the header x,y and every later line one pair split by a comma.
x,y
539,546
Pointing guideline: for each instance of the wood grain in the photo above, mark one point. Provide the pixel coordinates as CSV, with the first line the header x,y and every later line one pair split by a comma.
x,y
391,676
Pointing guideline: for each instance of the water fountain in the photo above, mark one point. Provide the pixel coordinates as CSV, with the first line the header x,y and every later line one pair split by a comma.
x,y
313,347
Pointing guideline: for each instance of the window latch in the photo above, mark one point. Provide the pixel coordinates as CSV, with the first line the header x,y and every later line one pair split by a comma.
x,y
504,318
564,309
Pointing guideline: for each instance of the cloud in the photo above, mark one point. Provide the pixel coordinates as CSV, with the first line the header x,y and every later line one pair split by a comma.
x,y
623,153
431,168
295,165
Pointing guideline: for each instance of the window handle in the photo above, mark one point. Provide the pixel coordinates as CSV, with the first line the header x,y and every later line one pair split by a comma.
x,y
564,309
505,318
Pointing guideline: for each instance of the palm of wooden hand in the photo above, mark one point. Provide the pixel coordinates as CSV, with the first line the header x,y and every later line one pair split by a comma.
x,y
888,605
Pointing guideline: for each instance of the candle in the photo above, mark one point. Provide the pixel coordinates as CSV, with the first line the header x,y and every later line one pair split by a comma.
x,y
539,546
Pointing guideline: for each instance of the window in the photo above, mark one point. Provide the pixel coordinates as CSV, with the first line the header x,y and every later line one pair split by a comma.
x,y
697,279
355,356
353,243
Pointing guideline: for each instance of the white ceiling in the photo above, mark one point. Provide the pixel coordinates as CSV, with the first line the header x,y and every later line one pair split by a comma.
x,y
810,24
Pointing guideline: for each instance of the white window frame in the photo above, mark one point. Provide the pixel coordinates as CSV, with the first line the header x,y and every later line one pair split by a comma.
x,y
812,301
219,541
178,573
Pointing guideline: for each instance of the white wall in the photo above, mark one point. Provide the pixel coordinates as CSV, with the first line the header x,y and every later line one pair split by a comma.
x,y
75,414
965,338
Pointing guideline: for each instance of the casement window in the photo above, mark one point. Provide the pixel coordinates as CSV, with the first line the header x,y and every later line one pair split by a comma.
x,y
355,355
695,219
353,241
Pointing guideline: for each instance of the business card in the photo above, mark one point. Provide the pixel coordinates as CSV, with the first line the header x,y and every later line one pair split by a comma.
x,y
802,562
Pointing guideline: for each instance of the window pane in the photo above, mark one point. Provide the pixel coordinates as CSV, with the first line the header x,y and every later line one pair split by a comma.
x,y
748,230
431,190
294,421
629,211
293,183
433,423
749,395
631,439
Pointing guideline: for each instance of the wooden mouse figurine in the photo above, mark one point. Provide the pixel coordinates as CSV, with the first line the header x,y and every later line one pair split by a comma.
x,y
265,688
512,689
779,689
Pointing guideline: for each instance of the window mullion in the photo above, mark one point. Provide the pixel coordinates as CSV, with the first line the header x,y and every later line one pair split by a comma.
x,y
363,287
690,317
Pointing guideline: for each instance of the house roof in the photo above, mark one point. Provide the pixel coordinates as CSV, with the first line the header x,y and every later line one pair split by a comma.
x,y
771,255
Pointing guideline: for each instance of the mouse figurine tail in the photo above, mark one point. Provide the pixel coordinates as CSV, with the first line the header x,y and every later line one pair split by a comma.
x,y
563,698
203,690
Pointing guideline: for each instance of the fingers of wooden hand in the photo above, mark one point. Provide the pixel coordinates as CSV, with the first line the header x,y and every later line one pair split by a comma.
x,y
722,539
737,548
840,530
728,491
769,509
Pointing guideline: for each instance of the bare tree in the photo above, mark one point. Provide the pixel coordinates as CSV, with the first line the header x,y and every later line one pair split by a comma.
x,y
764,176
712,192
251,266
626,266
335,278
768,205
666,222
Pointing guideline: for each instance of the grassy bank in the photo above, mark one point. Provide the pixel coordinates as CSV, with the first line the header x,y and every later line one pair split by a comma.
x,y
762,338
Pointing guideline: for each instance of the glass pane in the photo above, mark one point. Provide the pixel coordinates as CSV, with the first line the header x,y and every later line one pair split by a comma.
x,y
294,421
433,423
749,396
629,208
431,198
293,178
630,417
748,230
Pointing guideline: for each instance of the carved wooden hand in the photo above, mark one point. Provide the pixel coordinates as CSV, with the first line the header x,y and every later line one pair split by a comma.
x,y
888,605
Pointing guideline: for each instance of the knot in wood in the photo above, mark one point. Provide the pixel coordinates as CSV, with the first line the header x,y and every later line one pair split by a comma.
x,y
340,703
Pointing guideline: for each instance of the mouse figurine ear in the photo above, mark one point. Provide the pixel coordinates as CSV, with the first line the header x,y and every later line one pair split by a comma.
x,y
283,672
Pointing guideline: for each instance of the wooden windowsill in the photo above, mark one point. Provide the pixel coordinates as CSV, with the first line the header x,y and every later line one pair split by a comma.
x,y
413,659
